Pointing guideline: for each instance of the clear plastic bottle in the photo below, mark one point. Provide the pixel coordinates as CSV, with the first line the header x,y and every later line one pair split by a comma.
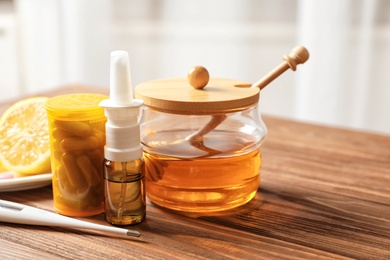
x,y
77,139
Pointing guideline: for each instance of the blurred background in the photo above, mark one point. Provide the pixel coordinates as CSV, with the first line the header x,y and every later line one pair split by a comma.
x,y
45,44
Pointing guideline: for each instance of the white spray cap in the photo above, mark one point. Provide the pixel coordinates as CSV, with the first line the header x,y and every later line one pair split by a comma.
x,y
122,128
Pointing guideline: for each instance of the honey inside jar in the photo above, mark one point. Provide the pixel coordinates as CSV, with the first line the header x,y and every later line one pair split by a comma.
x,y
202,183
220,173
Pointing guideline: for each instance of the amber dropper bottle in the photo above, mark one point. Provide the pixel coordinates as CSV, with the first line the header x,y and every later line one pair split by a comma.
x,y
124,182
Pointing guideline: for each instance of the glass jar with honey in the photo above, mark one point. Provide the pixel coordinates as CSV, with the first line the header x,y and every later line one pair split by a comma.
x,y
201,138
201,143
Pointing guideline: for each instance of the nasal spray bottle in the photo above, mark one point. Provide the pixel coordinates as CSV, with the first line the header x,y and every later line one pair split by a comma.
x,y
125,200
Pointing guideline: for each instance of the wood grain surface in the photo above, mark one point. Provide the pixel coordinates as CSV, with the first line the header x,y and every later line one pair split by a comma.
x,y
325,194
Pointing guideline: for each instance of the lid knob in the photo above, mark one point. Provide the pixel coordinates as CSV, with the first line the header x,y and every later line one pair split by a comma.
x,y
198,77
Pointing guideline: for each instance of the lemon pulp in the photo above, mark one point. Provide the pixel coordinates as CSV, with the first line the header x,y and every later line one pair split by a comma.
x,y
24,138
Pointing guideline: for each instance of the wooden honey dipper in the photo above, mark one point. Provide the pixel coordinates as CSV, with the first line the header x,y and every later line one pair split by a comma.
x,y
198,78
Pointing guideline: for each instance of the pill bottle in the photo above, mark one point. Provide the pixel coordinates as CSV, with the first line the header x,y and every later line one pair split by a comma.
x,y
77,139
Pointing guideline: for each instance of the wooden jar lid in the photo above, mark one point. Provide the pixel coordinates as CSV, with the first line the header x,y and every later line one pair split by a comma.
x,y
177,96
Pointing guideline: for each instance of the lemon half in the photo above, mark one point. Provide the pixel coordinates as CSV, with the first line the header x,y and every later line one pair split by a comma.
x,y
24,137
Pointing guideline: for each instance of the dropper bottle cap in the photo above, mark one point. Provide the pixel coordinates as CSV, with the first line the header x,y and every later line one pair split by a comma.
x,y
122,128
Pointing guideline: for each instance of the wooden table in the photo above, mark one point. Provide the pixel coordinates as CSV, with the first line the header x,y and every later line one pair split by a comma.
x,y
325,194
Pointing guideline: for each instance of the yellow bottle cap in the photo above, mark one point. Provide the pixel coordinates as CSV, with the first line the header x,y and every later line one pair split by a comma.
x,y
80,106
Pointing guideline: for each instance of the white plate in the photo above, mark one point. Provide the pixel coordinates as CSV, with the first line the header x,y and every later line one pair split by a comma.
x,y
25,183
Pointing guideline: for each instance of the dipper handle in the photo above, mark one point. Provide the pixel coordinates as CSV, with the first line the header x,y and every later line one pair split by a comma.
x,y
298,55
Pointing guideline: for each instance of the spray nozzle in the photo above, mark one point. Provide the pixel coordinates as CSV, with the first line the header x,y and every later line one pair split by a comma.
x,y
120,78
121,94
121,110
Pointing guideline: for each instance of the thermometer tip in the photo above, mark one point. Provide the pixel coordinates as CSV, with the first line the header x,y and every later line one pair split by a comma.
x,y
133,233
